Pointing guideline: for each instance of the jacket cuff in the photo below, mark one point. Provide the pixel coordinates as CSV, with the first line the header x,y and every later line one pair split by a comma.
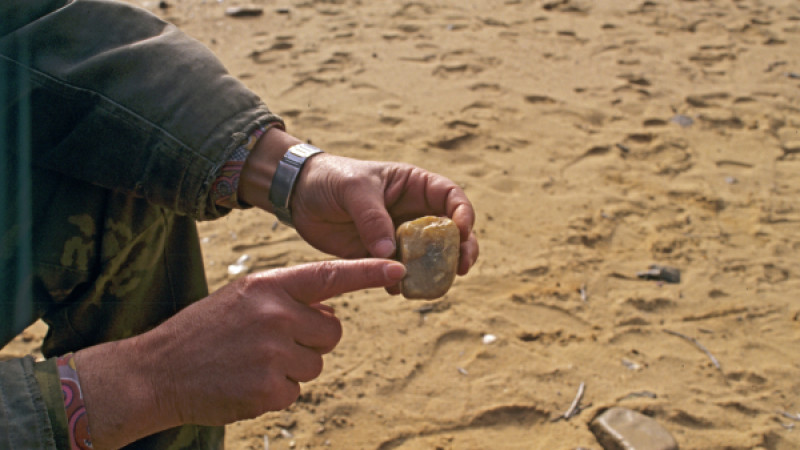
x,y
222,196
31,395
46,373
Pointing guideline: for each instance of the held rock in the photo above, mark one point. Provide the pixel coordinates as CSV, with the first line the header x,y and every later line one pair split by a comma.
x,y
429,248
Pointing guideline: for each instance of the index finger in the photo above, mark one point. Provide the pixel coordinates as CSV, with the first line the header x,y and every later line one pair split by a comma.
x,y
315,282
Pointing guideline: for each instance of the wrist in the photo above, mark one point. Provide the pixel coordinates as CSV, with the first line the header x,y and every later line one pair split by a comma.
x,y
285,178
123,399
260,166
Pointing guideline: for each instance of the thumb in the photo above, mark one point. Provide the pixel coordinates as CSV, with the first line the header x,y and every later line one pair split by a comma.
x,y
373,223
315,282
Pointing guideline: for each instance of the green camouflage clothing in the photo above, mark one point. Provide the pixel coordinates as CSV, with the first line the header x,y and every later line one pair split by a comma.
x,y
125,121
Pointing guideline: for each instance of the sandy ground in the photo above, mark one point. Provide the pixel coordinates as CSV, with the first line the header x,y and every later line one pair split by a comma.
x,y
594,139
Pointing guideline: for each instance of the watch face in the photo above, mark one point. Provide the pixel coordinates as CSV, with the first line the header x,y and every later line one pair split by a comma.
x,y
304,150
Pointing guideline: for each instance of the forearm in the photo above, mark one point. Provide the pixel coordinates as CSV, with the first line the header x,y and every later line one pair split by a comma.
x,y
124,401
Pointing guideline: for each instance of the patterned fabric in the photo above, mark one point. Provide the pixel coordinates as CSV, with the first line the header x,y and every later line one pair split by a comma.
x,y
79,436
225,187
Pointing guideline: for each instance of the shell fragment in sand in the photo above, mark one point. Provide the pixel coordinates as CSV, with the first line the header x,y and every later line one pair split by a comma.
x,y
240,266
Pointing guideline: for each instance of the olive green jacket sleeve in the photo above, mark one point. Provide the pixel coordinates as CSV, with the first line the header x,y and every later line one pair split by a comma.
x,y
24,418
140,106
115,98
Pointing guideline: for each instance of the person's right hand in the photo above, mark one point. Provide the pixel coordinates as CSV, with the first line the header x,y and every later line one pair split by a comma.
x,y
234,355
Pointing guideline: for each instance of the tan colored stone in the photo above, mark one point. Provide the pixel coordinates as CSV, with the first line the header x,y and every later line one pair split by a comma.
x,y
624,429
429,248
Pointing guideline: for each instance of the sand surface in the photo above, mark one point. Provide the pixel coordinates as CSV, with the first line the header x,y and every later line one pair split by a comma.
x,y
594,139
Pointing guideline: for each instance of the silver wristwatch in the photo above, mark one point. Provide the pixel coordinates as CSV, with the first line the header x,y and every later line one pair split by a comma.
x,y
289,167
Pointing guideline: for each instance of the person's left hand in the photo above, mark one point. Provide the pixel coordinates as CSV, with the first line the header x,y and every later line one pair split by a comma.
x,y
351,208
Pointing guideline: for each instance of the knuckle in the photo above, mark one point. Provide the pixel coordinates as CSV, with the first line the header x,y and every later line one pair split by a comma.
x,y
252,283
327,272
371,217
275,319
243,285
402,168
370,271
275,354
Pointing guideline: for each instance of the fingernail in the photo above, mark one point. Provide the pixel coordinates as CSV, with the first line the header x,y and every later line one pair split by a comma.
x,y
383,249
394,271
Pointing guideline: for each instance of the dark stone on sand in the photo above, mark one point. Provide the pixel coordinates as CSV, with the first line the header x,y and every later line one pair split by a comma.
x,y
244,11
661,273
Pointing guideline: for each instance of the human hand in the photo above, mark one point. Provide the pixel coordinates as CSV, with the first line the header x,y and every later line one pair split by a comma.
x,y
351,208
234,355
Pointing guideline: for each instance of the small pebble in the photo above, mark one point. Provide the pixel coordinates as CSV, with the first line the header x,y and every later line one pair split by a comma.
x,y
661,273
240,266
244,11
489,338
622,428
630,364
682,120
639,394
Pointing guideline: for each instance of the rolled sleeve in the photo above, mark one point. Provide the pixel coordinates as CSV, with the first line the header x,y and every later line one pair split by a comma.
x,y
126,101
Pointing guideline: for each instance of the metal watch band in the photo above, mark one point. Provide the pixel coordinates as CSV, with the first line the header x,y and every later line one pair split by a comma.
x,y
289,167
